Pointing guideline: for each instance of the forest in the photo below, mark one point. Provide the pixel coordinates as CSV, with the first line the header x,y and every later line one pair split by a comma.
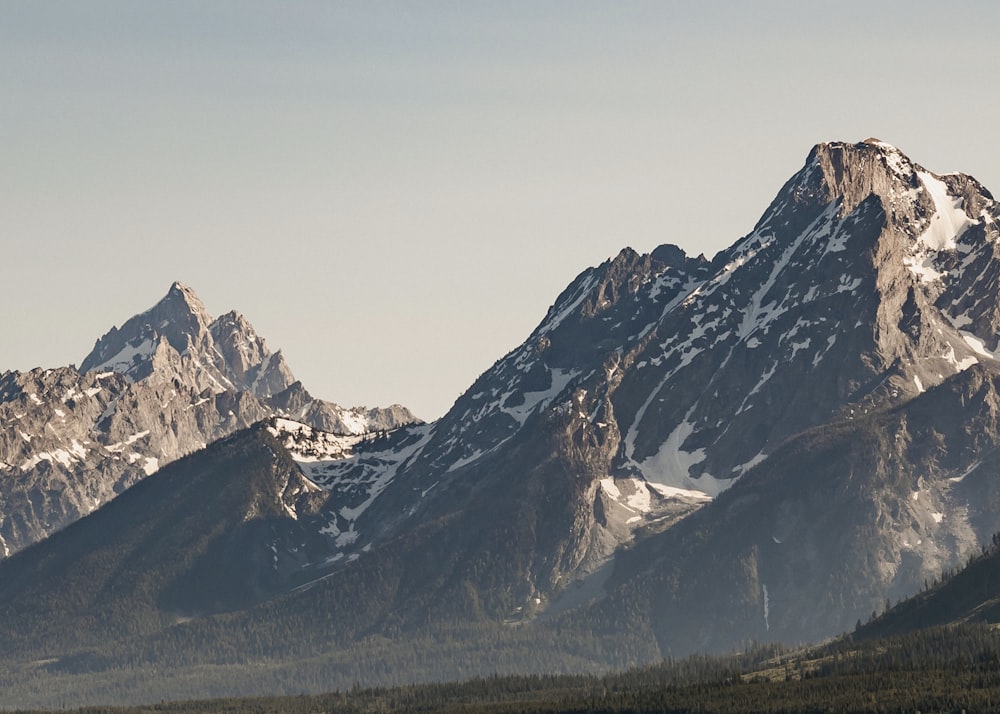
x,y
952,668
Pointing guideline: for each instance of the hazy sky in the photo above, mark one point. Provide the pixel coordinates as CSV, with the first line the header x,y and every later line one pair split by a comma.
x,y
393,193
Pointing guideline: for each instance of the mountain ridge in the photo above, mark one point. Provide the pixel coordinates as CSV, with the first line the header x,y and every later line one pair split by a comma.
x,y
684,455
167,382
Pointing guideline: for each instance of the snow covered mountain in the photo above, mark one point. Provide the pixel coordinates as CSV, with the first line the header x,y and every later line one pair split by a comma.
x,y
166,383
839,361
684,455
868,290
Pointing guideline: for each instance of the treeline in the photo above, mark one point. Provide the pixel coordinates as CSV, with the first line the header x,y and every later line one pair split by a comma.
x,y
945,669
457,652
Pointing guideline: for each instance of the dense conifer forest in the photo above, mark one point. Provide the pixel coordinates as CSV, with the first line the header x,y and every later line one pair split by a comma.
x,y
945,669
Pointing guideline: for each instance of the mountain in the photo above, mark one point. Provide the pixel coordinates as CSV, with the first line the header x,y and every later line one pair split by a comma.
x,y
165,384
177,340
211,532
685,455
836,364
856,387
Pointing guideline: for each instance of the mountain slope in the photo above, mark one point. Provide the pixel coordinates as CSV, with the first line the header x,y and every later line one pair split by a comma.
x,y
889,289
968,595
655,382
839,519
213,532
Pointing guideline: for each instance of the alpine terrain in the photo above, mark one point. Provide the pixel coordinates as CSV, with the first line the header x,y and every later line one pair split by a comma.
x,y
166,383
685,455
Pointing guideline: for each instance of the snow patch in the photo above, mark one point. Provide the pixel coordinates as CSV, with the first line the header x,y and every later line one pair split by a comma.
x,y
640,500
465,461
673,492
63,457
746,466
307,445
609,487
960,364
977,345
559,378
947,224
125,358
958,479
949,220
671,465
119,447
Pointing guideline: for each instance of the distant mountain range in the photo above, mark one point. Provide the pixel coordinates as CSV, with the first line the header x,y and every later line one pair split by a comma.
x,y
167,383
685,455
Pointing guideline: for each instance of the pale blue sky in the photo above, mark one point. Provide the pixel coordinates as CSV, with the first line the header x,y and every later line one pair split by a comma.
x,y
394,193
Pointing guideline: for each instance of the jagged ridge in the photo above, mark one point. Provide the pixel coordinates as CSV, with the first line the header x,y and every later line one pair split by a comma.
x,y
165,384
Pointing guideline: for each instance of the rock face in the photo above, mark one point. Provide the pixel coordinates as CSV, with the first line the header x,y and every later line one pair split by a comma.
x,y
166,383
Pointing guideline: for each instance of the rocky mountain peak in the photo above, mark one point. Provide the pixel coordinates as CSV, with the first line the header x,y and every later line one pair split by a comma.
x,y
249,363
177,340
166,383
849,174
911,196
179,319
181,293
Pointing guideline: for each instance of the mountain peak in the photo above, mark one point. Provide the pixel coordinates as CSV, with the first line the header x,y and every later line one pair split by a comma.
x,y
843,162
871,172
184,301
179,318
249,363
